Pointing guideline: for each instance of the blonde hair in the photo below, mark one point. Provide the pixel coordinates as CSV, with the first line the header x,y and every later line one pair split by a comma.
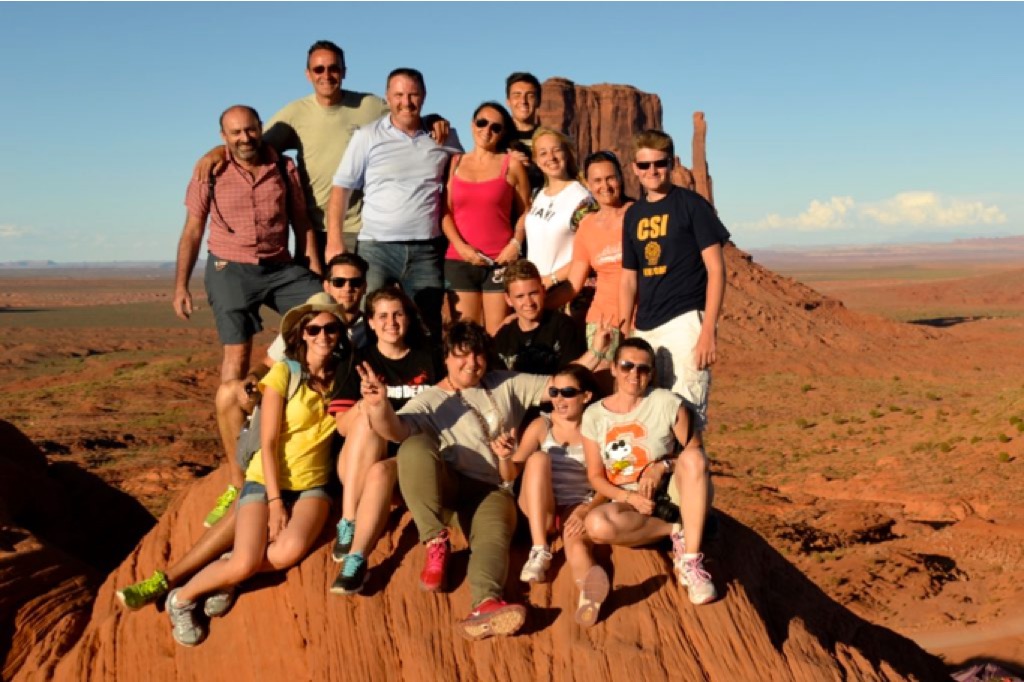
x,y
656,140
572,169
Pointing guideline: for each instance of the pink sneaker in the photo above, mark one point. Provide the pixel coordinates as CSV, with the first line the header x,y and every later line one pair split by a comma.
x,y
493,617
432,577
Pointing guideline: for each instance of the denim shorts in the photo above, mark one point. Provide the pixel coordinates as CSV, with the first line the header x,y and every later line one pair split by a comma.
x,y
257,492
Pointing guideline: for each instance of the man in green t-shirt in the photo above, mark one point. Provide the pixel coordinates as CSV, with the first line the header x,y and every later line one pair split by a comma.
x,y
318,127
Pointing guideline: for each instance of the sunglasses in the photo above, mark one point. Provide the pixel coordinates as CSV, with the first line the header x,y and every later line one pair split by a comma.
x,y
640,367
565,392
330,329
320,68
645,165
340,282
496,128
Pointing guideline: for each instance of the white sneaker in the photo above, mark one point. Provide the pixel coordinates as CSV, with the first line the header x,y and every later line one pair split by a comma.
x,y
536,567
697,581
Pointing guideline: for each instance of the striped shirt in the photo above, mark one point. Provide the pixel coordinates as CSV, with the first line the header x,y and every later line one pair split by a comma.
x,y
249,215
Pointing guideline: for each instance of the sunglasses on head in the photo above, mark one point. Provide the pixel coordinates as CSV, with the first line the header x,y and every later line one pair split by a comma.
x,y
640,367
331,329
339,282
320,68
496,128
565,391
645,165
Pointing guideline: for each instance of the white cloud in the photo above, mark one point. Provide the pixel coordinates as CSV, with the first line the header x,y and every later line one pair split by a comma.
x,y
911,209
820,215
13,231
928,208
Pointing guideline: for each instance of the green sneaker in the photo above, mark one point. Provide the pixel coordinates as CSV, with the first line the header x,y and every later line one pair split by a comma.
x,y
224,503
146,592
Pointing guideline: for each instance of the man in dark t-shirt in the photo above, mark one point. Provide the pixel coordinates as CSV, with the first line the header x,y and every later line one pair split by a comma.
x,y
673,271
539,341
522,94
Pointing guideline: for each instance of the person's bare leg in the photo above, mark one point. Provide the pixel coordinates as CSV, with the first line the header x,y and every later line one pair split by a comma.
x,y
495,311
691,474
236,361
230,417
617,523
210,546
247,556
307,519
362,448
468,307
374,505
578,551
537,499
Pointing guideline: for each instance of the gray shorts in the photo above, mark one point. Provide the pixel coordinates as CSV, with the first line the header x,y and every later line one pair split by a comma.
x,y
257,492
237,290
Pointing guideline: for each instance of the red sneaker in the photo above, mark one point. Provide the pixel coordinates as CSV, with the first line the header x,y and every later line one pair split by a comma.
x,y
432,577
493,617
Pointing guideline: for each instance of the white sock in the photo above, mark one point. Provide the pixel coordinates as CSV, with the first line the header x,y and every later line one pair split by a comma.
x,y
544,548
688,557
677,528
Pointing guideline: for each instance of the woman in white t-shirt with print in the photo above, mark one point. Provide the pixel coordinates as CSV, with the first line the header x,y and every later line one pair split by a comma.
x,y
555,213
630,439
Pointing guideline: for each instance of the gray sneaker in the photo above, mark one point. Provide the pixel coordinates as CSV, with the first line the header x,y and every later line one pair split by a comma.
x,y
184,628
219,603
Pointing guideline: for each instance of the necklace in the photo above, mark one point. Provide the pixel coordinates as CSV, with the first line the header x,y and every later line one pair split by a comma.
x,y
489,434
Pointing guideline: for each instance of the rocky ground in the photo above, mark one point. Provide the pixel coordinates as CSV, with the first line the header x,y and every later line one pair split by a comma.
x,y
880,458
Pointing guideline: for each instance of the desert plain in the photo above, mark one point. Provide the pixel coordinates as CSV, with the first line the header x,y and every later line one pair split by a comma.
x,y
867,421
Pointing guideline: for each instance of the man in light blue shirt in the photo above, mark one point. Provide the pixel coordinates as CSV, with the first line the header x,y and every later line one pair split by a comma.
x,y
401,172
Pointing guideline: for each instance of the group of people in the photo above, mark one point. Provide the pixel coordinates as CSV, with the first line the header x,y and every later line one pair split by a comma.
x,y
567,303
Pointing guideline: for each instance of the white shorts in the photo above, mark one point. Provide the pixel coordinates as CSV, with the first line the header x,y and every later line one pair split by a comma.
x,y
673,344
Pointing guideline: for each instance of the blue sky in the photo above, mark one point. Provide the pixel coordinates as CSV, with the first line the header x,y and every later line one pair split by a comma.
x,y
828,123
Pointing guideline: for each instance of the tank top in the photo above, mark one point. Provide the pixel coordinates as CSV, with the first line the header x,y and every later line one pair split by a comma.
x,y
482,212
568,469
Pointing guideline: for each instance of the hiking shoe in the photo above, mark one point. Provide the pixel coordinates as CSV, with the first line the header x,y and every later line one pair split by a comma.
x,y
144,592
184,628
697,581
352,575
432,576
493,617
344,534
219,603
536,567
224,503
594,587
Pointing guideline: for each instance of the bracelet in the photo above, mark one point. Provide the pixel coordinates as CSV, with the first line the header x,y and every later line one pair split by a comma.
x,y
273,499
554,279
505,458
519,246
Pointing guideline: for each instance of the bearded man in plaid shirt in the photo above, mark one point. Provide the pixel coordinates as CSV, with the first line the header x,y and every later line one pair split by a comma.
x,y
249,206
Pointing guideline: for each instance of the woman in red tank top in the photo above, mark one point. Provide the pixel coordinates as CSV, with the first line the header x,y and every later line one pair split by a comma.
x,y
488,195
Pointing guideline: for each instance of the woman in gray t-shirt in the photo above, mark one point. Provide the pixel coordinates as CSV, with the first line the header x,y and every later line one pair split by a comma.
x,y
629,439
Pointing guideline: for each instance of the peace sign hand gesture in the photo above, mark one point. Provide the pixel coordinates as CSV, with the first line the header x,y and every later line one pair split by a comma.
x,y
374,391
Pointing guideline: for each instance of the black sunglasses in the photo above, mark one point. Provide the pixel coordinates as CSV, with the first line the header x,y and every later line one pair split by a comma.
x,y
644,165
496,128
331,329
339,282
565,391
640,367
320,68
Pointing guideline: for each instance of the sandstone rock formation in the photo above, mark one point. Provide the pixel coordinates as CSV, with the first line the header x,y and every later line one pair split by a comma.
x,y
607,116
772,623
61,531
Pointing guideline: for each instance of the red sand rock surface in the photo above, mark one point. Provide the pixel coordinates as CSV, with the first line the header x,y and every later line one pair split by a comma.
x,y
772,623
867,454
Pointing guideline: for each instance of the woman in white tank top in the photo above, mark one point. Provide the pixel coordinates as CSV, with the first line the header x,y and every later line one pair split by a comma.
x,y
556,493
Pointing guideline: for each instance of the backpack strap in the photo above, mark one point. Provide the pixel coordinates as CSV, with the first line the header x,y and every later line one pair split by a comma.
x,y
294,378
